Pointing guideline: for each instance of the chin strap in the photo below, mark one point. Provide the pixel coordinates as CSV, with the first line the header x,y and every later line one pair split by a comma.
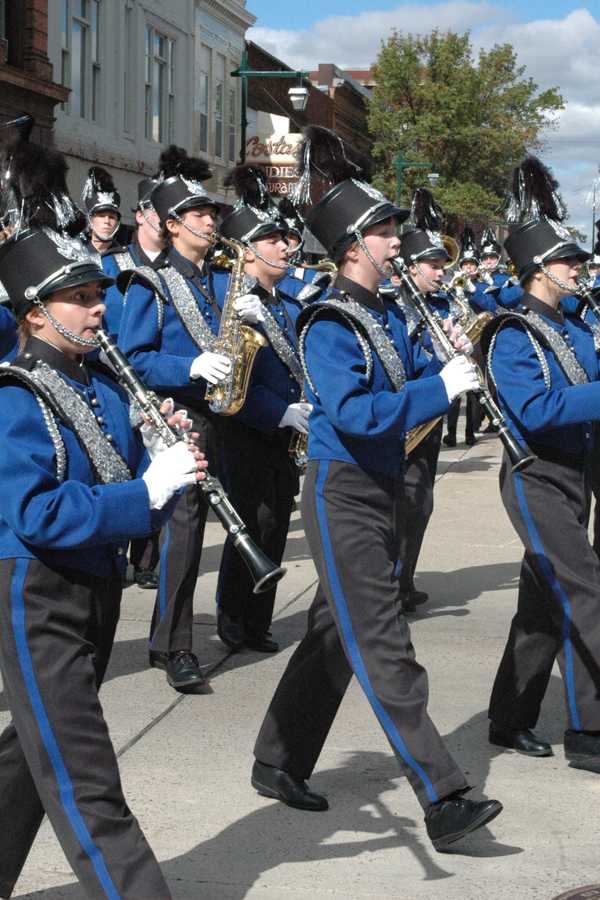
x,y
100,237
200,234
377,266
268,262
152,225
433,285
58,326
553,278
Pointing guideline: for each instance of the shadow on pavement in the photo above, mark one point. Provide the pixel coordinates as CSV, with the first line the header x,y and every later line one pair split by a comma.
x,y
230,863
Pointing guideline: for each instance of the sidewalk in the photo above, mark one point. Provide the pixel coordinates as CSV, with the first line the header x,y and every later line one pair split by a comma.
x,y
185,760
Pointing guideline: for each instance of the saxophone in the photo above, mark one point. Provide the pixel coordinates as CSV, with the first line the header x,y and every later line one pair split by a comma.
x,y
237,341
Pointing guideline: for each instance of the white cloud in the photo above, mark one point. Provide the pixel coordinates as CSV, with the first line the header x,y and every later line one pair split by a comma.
x,y
557,52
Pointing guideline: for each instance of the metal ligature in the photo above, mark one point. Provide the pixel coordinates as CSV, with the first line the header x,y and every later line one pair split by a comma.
x,y
265,574
518,456
235,340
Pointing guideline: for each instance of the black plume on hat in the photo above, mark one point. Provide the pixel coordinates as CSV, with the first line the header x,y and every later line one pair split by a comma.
x,y
289,212
534,194
99,191
425,212
250,185
34,189
468,247
597,244
176,161
323,157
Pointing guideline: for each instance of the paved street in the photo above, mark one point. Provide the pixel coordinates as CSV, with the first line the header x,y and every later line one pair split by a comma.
x,y
185,761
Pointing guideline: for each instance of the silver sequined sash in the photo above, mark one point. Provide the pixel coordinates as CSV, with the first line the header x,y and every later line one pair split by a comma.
x,y
124,260
59,397
186,304
369,334
282,346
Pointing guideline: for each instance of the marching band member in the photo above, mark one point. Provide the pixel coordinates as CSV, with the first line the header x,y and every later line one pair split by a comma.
x,y
361,377
508,291
102,203
75,488
168,324
257,470
545,370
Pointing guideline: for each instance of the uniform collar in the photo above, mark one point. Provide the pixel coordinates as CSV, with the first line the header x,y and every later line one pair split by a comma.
x,y
56,359
155,263
359,293
185,266
542,309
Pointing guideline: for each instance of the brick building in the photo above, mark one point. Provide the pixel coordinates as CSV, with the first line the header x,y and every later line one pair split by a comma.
x,y
349,103
26,78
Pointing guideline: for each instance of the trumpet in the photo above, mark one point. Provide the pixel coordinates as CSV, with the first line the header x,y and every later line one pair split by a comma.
x,y
265,574
518,456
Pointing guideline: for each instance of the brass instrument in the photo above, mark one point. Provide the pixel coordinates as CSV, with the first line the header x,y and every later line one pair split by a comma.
x,y
452,249
298,449
325,265
237,341
518,456
265,574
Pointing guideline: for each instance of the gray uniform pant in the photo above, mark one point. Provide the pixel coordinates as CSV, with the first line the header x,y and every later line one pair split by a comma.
x,y
355,625
56,756
558,612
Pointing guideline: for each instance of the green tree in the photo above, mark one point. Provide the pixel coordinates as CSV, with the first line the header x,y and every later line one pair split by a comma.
x,y
472,118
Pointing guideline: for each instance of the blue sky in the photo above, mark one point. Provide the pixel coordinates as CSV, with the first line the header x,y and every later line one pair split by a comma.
x,y
304,13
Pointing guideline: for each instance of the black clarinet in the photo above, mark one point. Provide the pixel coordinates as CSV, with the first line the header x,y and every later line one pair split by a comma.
x,y
519,457
265,574
590,296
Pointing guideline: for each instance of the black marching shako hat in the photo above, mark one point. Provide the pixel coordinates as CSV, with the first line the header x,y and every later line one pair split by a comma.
x,y
99,193
350,205
468,247
144,191
424,240
42,254
291,216
488,245
535,214
180,184
255,215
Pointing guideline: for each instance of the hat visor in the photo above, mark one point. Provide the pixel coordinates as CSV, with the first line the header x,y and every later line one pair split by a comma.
x,y
569,251
383,213
268,228
86,274
194,203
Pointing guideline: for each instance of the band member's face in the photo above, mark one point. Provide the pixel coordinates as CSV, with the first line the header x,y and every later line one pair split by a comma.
x,y
428,274
469,266
382,243
80,309
145,220
202,220
566,270
490,260
104,224
593,270
274,249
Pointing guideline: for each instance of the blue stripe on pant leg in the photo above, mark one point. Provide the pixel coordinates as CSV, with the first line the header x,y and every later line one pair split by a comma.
x,y
559,592
162,576
351,643
64,782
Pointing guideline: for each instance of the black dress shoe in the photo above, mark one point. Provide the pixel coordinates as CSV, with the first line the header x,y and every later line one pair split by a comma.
x,y
470,439
280,785
454,817
184,673
582,749
158,660
261,641
418,597
449,439
522,740
231,631
146,578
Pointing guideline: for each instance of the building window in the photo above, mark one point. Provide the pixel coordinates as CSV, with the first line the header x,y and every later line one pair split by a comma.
x,y
204,95
219,105
160,95
2,19
80,56
232,124
128,83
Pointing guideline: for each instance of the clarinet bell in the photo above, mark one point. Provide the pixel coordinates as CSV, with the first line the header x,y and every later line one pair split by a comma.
x,y
263,571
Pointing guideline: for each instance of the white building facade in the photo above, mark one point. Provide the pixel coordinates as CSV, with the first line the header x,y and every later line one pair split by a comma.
x,y
144,74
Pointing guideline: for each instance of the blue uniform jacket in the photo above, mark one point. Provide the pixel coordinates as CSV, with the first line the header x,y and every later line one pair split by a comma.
x,y
163,356
8,334
483,299
509,295
359,420
79,523
272,386
558,419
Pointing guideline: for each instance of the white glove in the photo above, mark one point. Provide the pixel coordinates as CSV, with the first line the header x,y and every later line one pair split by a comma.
x,y
152,439
172,469
213,367
458,338
459,376
249,308
296,417
487,277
